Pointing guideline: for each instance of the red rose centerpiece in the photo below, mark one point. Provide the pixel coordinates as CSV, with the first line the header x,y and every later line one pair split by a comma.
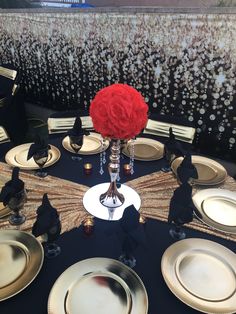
x,y
120,113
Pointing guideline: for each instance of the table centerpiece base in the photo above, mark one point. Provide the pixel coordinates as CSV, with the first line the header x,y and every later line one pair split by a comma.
x,y
92,204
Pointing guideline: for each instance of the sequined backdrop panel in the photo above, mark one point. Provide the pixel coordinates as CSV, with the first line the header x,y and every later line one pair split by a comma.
x,y
184,64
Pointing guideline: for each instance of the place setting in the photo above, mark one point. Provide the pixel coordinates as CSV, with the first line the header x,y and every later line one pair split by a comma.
x,y
201,273
214,207
80,141
21,253
21,260
209,171
217,209
112,285
144,149
33,156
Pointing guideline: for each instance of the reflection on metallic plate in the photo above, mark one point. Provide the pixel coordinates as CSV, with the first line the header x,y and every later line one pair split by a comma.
x,y
209,171
92,144
111,286
17,157
21,258
145,149
218,208
93,205
202,274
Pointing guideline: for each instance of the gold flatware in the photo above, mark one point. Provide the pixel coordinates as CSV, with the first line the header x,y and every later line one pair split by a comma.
x,y
17,157
92,144
209,171
21,258
98,285
145,149
217,208
202,274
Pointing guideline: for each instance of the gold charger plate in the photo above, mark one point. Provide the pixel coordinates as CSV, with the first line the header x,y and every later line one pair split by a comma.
x,y
218,208
145,149
17,157
98,285
21,258
209,171
202,274
4,211
92,144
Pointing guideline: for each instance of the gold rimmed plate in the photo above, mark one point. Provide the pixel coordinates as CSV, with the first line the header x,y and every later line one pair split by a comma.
x,y
17,157
21,258
209,171
202,274
145,149
4,211
98,285
217,208
92,144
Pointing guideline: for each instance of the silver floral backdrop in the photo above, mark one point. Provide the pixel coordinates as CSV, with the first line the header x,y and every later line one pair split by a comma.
x,y
183,64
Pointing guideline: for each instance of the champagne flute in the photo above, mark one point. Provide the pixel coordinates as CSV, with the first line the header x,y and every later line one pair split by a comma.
x,y
40,158
76,142
16,203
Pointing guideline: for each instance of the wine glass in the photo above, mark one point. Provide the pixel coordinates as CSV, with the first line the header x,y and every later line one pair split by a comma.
x,y
40,158
51,248
176,231
76,142
128,259
127,256
169,157
16,203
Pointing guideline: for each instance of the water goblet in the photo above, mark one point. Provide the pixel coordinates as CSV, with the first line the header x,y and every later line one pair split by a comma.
x,y
40,158
76,142
176,231
128,259
51,248
16,204
169,157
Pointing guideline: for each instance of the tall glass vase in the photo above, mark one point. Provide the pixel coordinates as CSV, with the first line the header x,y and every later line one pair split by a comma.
x,y
112,198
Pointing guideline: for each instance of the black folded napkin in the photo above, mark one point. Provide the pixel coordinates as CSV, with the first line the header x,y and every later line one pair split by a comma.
x,y
12,187
186,169
47,221
132,232
39,144
181,205
172,146
77,129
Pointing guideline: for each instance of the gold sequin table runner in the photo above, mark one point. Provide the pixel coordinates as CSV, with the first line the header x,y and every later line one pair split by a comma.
x,y
155,190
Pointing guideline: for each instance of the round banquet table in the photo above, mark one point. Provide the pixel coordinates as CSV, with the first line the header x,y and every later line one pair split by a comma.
x,y
75,246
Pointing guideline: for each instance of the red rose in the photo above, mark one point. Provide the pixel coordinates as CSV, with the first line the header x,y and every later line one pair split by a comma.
x,y
119,112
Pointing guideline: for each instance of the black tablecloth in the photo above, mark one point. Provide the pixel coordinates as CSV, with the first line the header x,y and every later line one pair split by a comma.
x,y
75,246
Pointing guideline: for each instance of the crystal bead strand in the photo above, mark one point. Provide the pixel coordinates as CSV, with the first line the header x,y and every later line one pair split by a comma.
x,y
102,157
104,153
131,162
